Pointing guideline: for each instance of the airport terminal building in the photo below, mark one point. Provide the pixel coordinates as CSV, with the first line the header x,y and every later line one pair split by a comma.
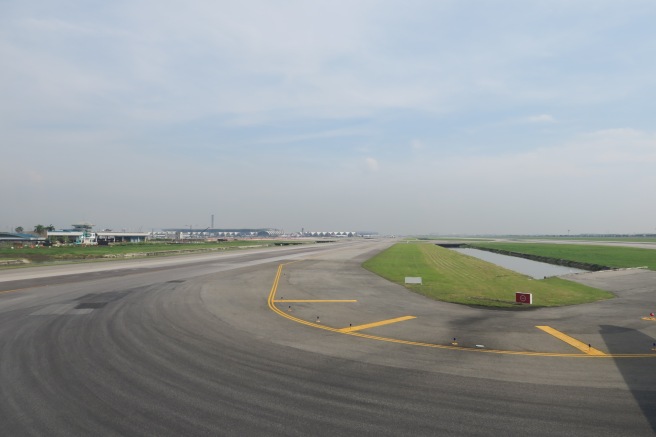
x,y
82,234
191,234
16,237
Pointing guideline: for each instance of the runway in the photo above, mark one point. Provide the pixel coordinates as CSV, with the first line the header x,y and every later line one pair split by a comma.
x,y
192,346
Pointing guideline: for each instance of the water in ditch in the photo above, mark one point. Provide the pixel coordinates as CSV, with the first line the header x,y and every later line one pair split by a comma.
x,y
535,269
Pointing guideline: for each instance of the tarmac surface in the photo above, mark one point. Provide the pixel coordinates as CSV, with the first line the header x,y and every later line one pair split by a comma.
x,y
303,341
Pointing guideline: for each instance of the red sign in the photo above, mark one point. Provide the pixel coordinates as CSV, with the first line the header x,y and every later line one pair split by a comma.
x,y
524,298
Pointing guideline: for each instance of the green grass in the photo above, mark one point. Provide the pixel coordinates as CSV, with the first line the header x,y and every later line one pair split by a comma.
x,y
611,256
73,253
605,239
452,277
457,239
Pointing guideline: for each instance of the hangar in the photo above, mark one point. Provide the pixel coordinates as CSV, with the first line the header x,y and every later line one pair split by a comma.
x,y
16,237
82,234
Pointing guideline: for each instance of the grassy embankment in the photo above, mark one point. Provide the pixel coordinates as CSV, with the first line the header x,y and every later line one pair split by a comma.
x,y
452,277
611,256
119,251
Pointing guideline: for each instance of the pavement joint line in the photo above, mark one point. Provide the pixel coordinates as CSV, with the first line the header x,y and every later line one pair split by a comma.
x,y
13,291
585,348
275,309
375,324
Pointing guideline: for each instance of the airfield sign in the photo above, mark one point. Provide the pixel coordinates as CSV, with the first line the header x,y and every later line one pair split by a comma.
x,y
524,298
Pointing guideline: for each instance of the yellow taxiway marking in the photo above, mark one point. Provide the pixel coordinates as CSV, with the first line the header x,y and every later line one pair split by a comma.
x,y
275,309
314,300
571,341
373,325
649,318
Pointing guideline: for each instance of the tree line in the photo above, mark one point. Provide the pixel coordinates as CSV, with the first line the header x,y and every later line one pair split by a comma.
x,y
38,229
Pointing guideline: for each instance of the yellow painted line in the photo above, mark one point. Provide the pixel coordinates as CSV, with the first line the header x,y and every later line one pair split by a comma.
x,y
314,300
649,318
571,341
373,325
272,306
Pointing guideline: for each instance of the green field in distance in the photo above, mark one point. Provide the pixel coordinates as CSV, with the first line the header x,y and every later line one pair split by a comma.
x,y
45,254
611,256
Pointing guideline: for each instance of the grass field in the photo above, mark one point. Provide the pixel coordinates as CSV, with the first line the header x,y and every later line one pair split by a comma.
x,y
611,256
452,277
73,253
607,239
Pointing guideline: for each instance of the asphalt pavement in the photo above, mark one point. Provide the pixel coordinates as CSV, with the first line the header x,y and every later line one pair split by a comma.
x,y
303,341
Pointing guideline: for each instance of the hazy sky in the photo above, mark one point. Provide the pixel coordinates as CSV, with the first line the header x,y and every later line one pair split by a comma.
x,y
395,116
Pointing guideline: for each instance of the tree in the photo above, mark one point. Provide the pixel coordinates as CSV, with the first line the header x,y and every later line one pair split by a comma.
x,y
50,228
40,229
19,229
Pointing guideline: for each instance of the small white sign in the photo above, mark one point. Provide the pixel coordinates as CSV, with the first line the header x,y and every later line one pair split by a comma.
x,y
413,280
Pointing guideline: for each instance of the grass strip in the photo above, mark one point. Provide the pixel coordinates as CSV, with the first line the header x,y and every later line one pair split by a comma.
x,y
612,256
118,251
453,277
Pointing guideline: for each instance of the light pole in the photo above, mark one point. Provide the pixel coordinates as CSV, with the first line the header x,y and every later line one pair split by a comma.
x,y
190,227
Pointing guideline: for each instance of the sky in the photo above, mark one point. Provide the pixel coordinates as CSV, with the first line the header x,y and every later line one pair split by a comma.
x,y
400,117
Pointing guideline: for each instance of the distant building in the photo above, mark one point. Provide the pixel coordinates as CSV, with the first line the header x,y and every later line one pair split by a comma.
x,y
82,234
336,234
198,234
18,237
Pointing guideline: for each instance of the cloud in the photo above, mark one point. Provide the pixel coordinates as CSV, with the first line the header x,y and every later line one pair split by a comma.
x,y
417,145
542,118
549,189
476,115
371,164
